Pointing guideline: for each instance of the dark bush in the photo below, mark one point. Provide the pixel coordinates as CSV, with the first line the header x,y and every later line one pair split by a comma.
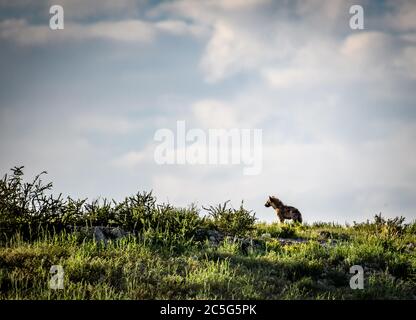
x,y
384,227
28,208
135,211
25,206
236,222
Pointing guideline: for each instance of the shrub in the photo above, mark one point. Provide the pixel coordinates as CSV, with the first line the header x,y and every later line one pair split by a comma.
x,y
27,208
384,227
411,228
287,231
141,213
235,222
134,212
167,222
279,230
26,205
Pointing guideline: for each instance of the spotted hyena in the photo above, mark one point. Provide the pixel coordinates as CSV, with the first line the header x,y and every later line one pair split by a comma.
x,y
284,212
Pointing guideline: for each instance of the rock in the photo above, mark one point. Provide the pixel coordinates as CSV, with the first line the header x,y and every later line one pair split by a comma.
x,y
214,236
100,234
115,233
285,241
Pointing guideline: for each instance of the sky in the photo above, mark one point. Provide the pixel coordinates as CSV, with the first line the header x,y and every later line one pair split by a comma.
x,y
336,105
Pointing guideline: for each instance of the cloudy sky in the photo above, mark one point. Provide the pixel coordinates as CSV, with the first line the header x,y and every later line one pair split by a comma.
x,y
336,106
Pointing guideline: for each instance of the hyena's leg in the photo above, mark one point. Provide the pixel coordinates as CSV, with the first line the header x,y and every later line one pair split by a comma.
x,y
280,216
297,217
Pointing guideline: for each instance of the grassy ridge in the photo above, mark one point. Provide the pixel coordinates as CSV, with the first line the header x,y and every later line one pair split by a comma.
x,y
163,259
135,269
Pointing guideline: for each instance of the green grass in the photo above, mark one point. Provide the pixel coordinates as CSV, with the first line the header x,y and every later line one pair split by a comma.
x,y
163,258
133,268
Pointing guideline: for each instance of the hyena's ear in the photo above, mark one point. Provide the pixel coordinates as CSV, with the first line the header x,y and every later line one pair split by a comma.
x,y
270,197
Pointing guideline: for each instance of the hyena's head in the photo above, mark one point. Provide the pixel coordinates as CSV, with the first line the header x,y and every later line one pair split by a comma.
x,y
268,202
272,202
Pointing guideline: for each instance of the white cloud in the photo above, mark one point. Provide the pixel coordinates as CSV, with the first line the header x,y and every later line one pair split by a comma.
x,y
367,46
230,51
237,4
130,159
215,114
20,31
287,78
403,16
282,47
365,56
179,27
75,9
129,31
105,124
261,34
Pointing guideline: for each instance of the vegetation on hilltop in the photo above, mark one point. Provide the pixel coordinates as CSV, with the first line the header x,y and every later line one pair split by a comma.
x,y
162,257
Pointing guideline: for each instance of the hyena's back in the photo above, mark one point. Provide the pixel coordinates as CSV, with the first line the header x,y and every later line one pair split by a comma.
x,y
292,213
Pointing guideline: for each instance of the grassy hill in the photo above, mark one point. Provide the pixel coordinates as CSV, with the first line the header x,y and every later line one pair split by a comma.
x,y
177,253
